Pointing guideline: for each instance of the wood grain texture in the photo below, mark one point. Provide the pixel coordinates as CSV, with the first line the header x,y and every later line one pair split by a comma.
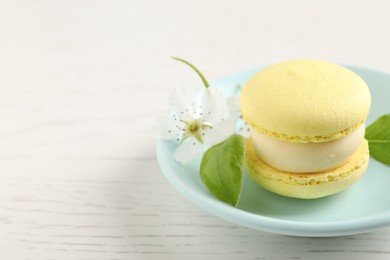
x,y
80,85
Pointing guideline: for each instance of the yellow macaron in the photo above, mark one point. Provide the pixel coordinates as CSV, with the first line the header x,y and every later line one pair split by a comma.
x,y
307,127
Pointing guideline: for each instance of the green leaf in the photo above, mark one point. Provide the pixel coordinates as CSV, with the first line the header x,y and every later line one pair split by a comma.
x,y
206,84
378,137
221,169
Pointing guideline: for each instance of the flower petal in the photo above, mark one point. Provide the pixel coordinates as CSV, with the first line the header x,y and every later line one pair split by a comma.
x,y
167,128
187,150
219,131
214,106
233,103
183,102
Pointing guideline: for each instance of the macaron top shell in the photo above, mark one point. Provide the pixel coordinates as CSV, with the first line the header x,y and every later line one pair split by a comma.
x,y
305,101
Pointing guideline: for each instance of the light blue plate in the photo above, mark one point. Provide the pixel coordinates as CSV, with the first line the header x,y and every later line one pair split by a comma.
x,y
363,207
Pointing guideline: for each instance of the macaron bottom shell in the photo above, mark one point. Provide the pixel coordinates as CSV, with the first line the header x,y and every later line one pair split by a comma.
x,y
307,185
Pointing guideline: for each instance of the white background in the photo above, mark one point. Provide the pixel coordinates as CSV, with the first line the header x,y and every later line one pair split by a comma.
x,y
80,84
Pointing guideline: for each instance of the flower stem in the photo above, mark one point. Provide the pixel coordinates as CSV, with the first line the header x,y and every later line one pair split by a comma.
x,y
206,84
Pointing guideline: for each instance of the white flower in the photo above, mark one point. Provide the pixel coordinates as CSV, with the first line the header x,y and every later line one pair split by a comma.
x,y
199,120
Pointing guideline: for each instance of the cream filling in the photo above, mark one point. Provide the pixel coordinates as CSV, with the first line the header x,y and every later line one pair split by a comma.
x,y
306,157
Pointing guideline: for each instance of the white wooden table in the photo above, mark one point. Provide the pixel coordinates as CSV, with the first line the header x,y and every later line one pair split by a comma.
x,y
80,84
